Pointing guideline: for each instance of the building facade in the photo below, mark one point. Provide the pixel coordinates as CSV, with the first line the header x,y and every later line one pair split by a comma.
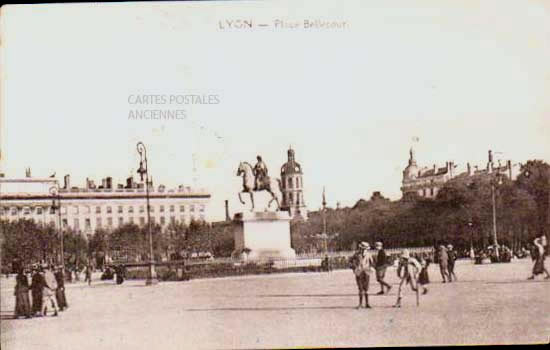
x,y
426,182
292,187
93,207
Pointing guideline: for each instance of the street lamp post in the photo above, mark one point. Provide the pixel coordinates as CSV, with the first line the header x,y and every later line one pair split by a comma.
x,y
325,220
470,224
143,170
495,181
56,205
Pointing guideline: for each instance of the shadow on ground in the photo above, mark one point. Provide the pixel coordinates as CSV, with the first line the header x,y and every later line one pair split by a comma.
x,y
281,308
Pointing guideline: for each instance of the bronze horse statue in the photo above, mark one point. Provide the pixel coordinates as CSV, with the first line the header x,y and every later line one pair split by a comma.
x,y
268,184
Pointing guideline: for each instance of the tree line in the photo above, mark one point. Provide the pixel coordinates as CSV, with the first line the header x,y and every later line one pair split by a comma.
x,y
28,242
460,214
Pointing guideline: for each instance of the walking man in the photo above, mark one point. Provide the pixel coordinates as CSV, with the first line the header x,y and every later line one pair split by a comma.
x,y
361,263
48,293
382,263
88,274
443,263
451,263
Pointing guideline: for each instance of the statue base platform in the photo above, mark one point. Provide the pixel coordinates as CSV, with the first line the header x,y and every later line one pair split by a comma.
x,y
262,235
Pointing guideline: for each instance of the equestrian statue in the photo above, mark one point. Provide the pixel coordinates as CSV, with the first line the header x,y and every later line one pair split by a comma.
x,y
256,179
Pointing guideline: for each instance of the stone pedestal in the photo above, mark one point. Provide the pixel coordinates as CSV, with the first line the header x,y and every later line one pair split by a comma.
x,y
265,234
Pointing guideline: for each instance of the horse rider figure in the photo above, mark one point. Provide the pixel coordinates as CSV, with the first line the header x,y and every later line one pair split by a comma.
x,y
260,173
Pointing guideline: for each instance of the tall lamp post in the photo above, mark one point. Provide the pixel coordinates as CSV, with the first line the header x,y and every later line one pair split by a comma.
x,y
497,180
56,205
471,226
143,170
325,220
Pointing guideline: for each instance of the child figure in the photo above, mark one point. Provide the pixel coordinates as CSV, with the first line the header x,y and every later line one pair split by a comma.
x,y
407,271
423,277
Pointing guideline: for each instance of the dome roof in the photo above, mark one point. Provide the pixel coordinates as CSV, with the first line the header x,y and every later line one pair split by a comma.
x,y
291,167
411,171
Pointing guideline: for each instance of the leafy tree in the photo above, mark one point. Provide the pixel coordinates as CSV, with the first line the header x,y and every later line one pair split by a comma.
x,y
535,179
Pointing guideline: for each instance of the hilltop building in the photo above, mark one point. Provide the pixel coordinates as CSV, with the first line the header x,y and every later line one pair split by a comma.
x,y
426,182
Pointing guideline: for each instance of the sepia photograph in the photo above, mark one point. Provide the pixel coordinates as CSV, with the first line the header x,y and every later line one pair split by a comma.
x,y
274,174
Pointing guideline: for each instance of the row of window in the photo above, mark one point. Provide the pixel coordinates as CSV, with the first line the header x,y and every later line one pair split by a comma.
x,y
98,210
433,190
289,182
290,198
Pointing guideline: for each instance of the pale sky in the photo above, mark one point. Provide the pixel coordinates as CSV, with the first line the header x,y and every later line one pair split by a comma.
x,y
462,76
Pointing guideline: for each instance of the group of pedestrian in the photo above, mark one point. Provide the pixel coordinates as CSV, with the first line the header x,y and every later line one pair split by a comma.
x,y
410,272
447,257
47,289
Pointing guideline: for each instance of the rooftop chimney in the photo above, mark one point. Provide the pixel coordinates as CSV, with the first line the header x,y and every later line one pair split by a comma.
x,y
469,169
227,217
67,182
28,172
130,182
109,182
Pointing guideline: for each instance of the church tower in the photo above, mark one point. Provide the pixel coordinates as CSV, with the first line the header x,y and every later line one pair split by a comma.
x,y
292,188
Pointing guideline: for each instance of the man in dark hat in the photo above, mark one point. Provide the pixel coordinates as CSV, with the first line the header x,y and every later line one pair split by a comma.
x,y
382,263
260,172
361,263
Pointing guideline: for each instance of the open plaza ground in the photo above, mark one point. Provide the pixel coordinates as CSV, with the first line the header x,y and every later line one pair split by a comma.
x,y
490,304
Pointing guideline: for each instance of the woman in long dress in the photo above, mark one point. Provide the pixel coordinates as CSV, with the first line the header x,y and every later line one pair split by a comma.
x,y
22,302
37,284
538,267
60,292
423,277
